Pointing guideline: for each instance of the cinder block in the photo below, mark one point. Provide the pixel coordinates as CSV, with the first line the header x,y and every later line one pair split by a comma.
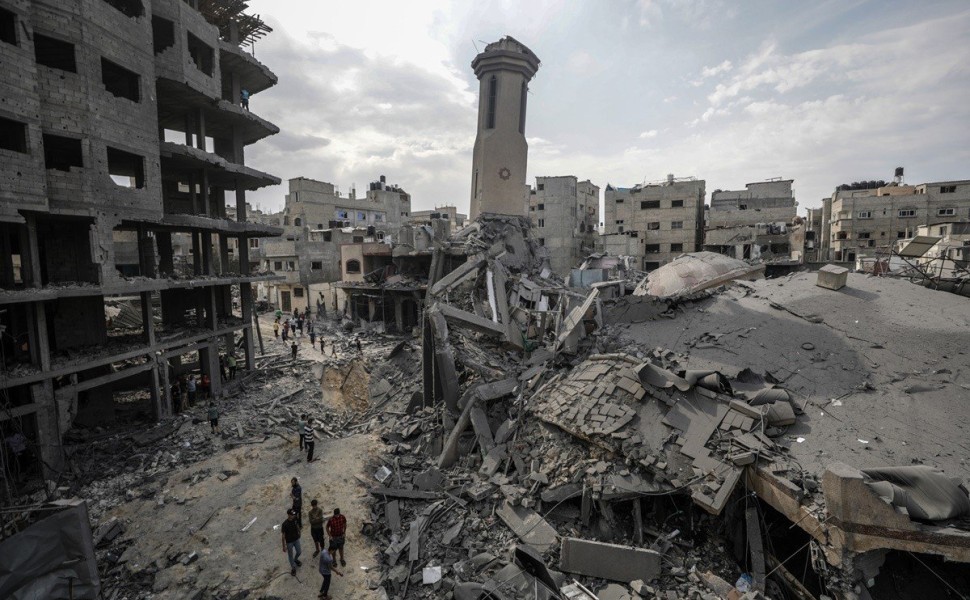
x,y
608,561
832,277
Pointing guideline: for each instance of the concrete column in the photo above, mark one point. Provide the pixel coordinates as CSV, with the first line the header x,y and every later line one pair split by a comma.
x,y
157,394
206,209
197,253
241,215
209,297
371,309
189,128
48,430
200,129
246,296
6,255
399,313
165,400
207,263
223,254
193,195
146,253
212,366
166,255
243,255
148,318
33,252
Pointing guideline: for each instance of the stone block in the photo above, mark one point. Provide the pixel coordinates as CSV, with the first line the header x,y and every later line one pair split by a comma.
x,y
608,561
832,277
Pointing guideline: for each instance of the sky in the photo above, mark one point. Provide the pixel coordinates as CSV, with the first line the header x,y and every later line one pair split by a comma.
x,y
628,91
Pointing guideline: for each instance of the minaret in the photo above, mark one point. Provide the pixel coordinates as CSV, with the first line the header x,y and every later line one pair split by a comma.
x,y
504,70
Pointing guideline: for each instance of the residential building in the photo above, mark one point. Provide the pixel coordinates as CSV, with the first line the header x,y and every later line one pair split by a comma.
x,y
661,221
499,158
754,223
449,213
565,213
317,220
120,133
867,222
813,234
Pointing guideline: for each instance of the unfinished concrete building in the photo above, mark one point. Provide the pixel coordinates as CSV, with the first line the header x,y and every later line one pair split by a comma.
x,y
754,223
654,222
565,213
865,219
120,127
456,220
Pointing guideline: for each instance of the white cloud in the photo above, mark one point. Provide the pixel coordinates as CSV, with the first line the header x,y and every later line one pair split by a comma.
x,y
650,133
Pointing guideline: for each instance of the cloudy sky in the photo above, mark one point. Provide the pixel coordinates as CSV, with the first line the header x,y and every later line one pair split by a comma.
x,y
628,91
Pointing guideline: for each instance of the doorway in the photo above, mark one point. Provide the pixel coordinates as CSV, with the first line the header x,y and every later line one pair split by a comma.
x,y
286,304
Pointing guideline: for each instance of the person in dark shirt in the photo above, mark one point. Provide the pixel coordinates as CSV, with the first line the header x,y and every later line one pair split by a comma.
x,y
337,529
291,541
296,492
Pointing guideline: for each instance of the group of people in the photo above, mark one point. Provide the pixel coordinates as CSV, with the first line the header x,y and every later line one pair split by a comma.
x,y
292,329
187,390
320,527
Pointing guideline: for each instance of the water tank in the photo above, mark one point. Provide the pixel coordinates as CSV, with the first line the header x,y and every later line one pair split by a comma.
x,y
670,177
383,179
899,171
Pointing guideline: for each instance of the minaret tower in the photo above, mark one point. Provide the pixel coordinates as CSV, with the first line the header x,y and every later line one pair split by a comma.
x,y
504,70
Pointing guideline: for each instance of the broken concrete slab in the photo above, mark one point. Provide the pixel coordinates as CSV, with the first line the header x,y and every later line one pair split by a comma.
x,y
528,526
608,561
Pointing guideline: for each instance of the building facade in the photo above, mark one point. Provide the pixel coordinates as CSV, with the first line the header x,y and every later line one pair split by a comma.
x,y
565,213
755,223
122,131
865,223
661,221
455,219
501,153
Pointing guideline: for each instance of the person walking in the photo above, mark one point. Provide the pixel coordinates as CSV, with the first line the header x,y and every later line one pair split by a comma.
x,y
206,386
286,330
299,324
333,349
337,529
213,417
294,348
296,493
276,328
177,397
233,365
192,389
360,350
325,567
313,338
316,527
223,373
291,541
300,424
308,441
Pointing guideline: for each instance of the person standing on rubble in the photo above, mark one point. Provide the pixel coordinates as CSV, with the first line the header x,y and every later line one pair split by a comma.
x,y
276,328
233,365
213,417
294,348
316,527
299,429
337,529
308,441
177,397
291,541
313,337
326,566
296,493
360,349
206,386
299,324
191,387
223,373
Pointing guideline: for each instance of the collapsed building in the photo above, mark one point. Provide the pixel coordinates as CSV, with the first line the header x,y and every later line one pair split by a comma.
x,y
122,129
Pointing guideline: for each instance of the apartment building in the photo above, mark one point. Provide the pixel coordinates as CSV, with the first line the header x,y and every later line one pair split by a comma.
x,y
456,220
565,213
659,221
120,130
865,223
755,223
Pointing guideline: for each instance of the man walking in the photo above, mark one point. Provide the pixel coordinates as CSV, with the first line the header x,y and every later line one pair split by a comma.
x,y
360,350
291,541
296,493
232,366
336,529
191,388
308,441
293,348
333,350
286,330
326,566
316,527
313,338
276,328
213,417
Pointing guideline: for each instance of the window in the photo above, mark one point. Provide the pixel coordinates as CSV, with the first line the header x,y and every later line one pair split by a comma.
x,y
380,235
8,27
676,204
865,214
542,241
540,186
62,153
361,216
676,247
948,189
942,231
946,212
492,99
742,207
542,222
653,226
634,234
121,82
651,248
341,214
54,53
316,265
291,265
842,235
358,239
619,229
540,206
353,266
163,34
619,200
906,213
278,265
864,235
378,217
298,222
319,225
126,169
13,135
522,98
676,224
327,236
650,265
619,221
254,242
297,292
129,8
650,204
201,53
871,243
901,235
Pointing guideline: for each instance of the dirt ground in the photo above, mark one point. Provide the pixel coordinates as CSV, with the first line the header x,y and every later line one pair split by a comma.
x,y
207,517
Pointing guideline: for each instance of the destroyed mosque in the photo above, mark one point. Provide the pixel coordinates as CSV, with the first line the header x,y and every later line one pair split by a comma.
x,y
708,429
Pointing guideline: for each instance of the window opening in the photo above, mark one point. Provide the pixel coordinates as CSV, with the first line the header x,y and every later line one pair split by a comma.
x,y
62,153
55,54
163,34
13,135
121,82
492,99
201,53
126,169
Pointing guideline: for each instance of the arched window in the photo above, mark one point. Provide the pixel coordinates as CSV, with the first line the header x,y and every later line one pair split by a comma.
x,y
298,221
353,266
492,100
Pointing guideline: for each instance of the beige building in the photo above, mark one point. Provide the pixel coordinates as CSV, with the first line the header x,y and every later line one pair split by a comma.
x,y
660,221
500,156
455,219
867,222
754,223
565,213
